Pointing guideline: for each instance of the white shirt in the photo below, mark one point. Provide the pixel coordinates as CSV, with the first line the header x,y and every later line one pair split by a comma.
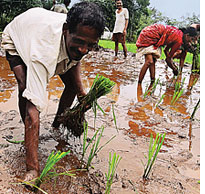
x,y
36,36
120,20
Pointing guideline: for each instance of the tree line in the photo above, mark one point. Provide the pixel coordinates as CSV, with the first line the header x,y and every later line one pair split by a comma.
x,y
141,15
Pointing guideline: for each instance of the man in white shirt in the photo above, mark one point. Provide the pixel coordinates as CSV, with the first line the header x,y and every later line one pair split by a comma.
x,y
120,28
40,44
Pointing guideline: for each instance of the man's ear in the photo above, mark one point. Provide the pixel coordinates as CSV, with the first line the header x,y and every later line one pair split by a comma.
x,y
65,28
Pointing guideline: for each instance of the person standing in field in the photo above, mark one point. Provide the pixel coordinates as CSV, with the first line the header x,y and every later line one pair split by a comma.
x,y
153,37
120,28
40,44
62,7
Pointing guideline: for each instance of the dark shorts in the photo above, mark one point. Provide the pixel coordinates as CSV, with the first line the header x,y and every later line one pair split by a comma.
x,y
118,37
14,60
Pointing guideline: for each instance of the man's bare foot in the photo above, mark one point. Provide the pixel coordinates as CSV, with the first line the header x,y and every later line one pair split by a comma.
x,y
30,175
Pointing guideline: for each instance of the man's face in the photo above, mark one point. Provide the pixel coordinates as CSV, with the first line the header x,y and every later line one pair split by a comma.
x,y
190,42
118,4
80,42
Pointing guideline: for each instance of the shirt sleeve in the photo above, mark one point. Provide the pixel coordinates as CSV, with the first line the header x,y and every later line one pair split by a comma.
x,y
36,83
126,14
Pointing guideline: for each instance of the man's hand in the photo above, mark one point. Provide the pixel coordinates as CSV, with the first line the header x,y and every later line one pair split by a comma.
x,y
124,32
81,95
172,66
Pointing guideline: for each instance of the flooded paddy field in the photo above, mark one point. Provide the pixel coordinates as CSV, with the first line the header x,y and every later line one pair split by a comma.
x,y
177,167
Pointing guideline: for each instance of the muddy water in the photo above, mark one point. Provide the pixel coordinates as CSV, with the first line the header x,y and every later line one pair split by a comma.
x,y
137,117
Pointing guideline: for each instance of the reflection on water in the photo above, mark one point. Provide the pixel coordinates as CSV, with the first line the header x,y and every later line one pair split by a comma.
x,y
7,80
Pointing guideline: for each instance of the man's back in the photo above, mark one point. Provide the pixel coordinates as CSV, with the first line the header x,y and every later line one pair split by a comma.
x,y
36,33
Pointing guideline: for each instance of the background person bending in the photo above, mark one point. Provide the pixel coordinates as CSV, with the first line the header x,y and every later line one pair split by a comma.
x,y
153,37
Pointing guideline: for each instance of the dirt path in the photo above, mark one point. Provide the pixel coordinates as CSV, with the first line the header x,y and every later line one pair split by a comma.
x,y
177,168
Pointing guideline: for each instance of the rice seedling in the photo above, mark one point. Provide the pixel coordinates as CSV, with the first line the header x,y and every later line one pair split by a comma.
x,y
51,161
95,141
154,149
114,117
182,85
162,97
151,88
134,187
73,118
47,173
154,86
147,90
113,164
194,82
177,93
195,109
15,141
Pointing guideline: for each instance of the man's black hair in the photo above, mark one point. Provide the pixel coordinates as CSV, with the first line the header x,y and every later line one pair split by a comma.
x,y
86,14
189,30
67,2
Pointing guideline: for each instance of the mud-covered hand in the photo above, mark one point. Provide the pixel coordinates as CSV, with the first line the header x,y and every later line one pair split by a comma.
x,y
81,95
172,65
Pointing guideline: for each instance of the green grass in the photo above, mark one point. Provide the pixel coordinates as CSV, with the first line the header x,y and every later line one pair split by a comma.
x,y
131,47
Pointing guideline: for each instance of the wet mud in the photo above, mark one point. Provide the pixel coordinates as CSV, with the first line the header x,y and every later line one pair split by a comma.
x,y
177,168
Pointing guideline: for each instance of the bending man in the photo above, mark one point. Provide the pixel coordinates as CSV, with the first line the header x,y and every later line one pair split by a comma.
x,y
40,44
153,37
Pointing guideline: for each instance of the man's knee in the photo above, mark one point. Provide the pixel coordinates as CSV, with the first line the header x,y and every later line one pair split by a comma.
x,y
32,113
20,74
149,62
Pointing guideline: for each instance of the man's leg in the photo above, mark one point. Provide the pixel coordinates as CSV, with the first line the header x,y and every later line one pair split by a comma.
x,y
124,49
30,117
152,70
66,99
20,74
32,124
123,45
148,61
116,48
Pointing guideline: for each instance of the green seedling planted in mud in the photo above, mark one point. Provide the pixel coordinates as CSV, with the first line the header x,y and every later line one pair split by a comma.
x,y
195,109
113,164
51,161
194,82
177,93
114,117
160,100
95,141
154,149
47,173
134,187
152,88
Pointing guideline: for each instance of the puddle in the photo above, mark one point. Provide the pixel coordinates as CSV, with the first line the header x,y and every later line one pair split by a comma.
x,y
137,116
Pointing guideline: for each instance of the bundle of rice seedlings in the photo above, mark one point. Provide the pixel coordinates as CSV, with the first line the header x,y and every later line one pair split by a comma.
x,y
73,118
